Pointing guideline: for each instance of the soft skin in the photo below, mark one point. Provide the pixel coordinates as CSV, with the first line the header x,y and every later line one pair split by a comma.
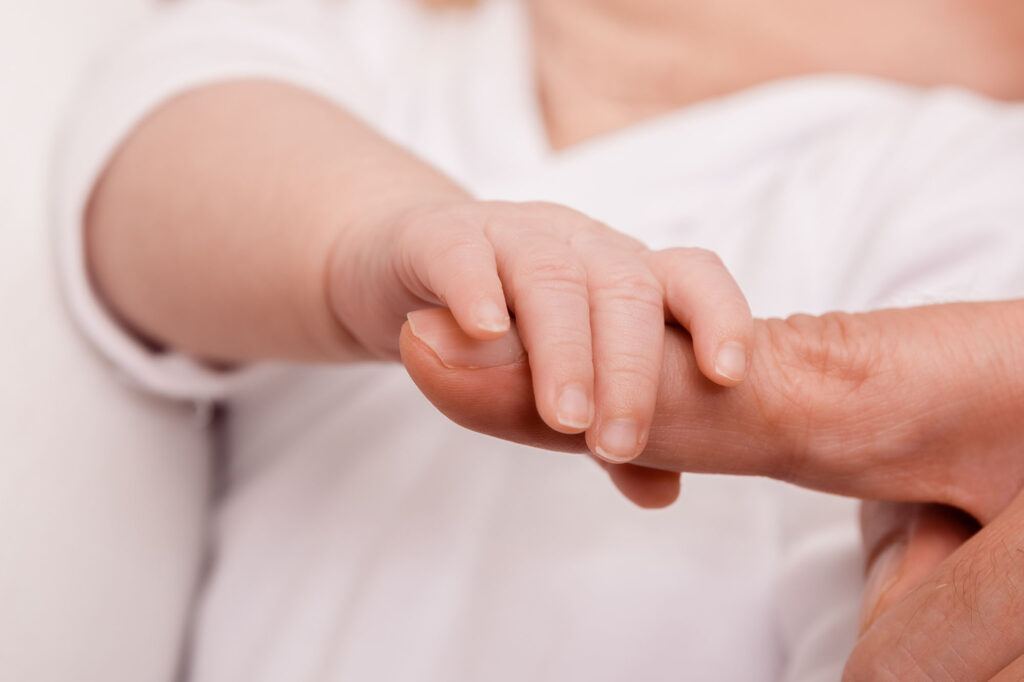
x,y
317,246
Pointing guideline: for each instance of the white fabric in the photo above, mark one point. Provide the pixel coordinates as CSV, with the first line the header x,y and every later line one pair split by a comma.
x,y
363,537
103,495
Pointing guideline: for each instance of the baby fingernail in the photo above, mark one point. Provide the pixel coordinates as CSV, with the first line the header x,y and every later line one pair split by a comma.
x,y
883,576
574,410
618,440
439,330
491,317
731,362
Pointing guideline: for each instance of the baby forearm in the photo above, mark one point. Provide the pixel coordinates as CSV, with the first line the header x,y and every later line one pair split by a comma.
x,y
211,229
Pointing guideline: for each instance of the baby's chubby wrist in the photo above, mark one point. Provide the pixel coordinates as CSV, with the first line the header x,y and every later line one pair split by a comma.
x,y
363,292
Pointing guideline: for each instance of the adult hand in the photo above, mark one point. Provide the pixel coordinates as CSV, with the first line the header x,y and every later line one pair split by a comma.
x,y
917,404
942,602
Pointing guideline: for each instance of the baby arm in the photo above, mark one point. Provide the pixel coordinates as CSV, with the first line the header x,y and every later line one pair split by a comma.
x,y
252,220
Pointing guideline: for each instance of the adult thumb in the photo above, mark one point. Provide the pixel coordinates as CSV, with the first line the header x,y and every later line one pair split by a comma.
x,y
904,543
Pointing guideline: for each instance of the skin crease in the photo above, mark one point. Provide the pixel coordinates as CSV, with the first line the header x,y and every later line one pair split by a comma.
x,y
602,65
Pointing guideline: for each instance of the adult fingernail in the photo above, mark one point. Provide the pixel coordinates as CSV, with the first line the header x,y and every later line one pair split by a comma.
x,y
490,316
884,574
617,440
439,331
574,410
731,361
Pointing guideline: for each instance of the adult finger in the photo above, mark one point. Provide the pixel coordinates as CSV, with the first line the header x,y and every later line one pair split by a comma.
x,y
963,621
904,543
647,488
486,386
704,298
439,356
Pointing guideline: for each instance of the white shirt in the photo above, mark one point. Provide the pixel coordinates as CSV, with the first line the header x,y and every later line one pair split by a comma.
x,y
363,537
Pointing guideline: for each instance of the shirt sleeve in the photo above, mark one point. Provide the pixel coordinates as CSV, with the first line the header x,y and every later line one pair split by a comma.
x,y
185,46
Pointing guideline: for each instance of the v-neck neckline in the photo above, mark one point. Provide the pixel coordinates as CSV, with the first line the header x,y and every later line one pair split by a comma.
x,y
503,86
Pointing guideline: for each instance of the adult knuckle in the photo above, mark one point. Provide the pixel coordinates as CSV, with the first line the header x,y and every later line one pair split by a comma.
x,y
780,397
989,585
817,368
828,346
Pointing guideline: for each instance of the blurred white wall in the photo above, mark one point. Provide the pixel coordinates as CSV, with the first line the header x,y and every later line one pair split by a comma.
x,y
102,492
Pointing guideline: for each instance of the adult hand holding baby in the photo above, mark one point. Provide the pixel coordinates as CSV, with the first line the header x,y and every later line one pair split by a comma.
x,y
919,404
916,404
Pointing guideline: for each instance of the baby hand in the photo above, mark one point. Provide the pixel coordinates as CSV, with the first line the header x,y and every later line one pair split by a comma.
x,y
590,304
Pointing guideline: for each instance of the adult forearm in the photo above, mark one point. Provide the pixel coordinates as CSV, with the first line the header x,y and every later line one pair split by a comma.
x,y
211,229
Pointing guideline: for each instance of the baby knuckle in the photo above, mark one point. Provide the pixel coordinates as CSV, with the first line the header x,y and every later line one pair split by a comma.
x,y
554,269
568,343
635,285
642,380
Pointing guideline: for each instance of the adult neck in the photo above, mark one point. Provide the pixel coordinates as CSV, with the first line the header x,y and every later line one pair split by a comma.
x,y
605,64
